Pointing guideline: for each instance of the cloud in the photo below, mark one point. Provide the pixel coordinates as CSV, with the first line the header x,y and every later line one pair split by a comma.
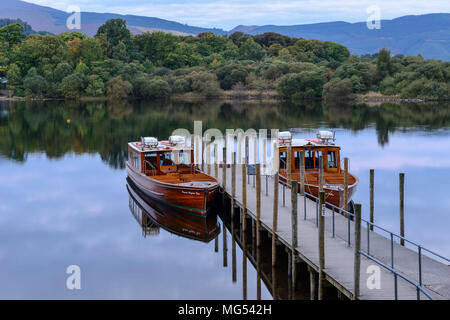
x,y
228,14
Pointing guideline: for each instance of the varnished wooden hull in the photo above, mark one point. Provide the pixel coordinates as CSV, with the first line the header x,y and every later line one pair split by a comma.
x,y
332,196
188,226
191,200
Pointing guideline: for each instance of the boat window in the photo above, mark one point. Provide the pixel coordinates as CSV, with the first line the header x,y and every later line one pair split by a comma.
x,y
166,159
184,157
332,163
316,160
135,160
297,160
152,158
309,159
283,157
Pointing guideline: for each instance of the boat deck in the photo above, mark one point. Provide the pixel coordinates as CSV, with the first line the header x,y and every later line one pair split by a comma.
x,y
196,180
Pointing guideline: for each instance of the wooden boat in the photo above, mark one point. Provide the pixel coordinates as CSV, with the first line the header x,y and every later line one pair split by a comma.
x,y
165,172
152,216
333,174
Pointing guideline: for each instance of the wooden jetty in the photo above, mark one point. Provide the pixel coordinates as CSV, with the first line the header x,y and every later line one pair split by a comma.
x,y
332,256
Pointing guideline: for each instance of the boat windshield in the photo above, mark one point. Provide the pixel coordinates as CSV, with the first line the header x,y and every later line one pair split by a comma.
x,y
175,158
166,159
332,162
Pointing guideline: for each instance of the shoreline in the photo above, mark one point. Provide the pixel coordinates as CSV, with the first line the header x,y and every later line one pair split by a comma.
x,y
230,95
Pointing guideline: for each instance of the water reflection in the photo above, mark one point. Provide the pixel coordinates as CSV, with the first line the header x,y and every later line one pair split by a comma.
x,y
151,216
58,128
80,212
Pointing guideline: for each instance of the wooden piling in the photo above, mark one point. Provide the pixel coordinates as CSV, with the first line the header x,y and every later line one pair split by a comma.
x,y
239,143
224,245
275,157
264,156
357,260
346,184
197,151
275,219
244,196
320,173
312,283
372,180
258,204
216,161
247,151
289,165
244,263
224,169
321,246
193,148
402,207
294,219
216,244
203,154
255,150
208,155
302,172
233,196
258,273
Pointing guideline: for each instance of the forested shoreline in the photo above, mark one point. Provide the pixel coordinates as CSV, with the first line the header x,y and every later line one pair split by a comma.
x,y
118,65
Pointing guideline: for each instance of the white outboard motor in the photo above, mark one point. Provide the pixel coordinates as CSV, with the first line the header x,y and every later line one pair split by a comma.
x,y
177,140
151,142
284,138
326,136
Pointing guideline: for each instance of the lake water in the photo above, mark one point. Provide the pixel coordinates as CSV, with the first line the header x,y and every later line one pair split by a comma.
x,y
64,201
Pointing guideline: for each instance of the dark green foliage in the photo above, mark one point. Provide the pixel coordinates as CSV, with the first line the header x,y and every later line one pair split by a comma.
x,y
152,88
231,74
73,85
117,89
337,90
154,65
304,85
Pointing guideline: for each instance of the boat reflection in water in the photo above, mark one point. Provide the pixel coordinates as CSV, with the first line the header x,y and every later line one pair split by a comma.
x,y
152,216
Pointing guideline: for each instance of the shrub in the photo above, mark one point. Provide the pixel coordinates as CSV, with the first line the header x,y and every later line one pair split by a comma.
x,y
152,88
308,84
338,89
116,88
73,85
205,83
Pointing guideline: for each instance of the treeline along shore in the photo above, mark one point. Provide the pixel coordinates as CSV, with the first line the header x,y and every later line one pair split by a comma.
x,y
119,65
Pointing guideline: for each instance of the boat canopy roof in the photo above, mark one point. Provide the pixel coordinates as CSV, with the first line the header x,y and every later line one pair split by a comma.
x,y
161,147
310,142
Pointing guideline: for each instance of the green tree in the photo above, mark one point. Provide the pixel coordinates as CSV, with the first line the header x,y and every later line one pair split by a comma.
x,y
338,90
307,84
12,34
250,50
115,31
384,68
118,89
73,85
14,77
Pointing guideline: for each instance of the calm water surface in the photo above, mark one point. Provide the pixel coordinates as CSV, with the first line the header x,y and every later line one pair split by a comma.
x,y
63,196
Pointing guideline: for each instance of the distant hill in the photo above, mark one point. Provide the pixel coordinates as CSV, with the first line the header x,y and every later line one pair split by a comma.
x,y
428,35
54,21
26,27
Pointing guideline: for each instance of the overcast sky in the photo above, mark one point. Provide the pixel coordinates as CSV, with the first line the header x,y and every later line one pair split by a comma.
x,y
228,14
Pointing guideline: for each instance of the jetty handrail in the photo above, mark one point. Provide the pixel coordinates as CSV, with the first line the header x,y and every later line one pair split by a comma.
x,y
419,287
349,214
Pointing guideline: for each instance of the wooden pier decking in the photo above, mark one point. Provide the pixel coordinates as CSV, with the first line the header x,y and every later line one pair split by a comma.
x,y
339,255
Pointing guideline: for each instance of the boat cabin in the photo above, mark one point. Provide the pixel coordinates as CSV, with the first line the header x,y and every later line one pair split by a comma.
x,y
154,158
313,150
